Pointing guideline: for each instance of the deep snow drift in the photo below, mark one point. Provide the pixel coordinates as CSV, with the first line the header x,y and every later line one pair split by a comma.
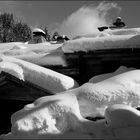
x,y
120,89
63,115
58,117
43,77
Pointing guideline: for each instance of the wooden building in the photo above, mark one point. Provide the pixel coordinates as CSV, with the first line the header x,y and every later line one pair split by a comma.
x,y
82,66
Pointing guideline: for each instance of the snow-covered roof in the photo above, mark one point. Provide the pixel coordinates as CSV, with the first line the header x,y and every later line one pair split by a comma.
x,y
124,31
111,39
43,77
121,31
41,53
38,30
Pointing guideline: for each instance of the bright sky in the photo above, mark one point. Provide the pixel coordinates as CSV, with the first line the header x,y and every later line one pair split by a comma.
x,y
73,17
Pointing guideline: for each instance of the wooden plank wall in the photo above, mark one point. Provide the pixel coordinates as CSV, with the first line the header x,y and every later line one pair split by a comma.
x,y
82,66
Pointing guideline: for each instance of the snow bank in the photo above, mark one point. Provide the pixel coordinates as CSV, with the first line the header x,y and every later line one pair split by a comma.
x,y
55,111
43,77
58,117
123,38
62,116
102,77
54,117
122,116
94,98
48,117
124,121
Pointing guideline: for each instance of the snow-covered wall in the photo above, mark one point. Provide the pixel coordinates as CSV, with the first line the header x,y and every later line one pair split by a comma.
x,y
43,77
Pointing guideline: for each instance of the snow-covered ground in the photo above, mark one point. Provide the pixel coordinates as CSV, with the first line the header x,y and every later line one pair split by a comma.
x,y
58,117
63,115
113,97
43,77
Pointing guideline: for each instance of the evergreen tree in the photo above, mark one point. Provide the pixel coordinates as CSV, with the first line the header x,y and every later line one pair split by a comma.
x,y
6,26
11,30
22,32
48,37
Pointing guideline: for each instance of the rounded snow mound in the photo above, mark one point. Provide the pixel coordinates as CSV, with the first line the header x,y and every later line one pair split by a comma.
x,y
48,79
48,117
120,115
123,88
124,121
58,116
12,69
